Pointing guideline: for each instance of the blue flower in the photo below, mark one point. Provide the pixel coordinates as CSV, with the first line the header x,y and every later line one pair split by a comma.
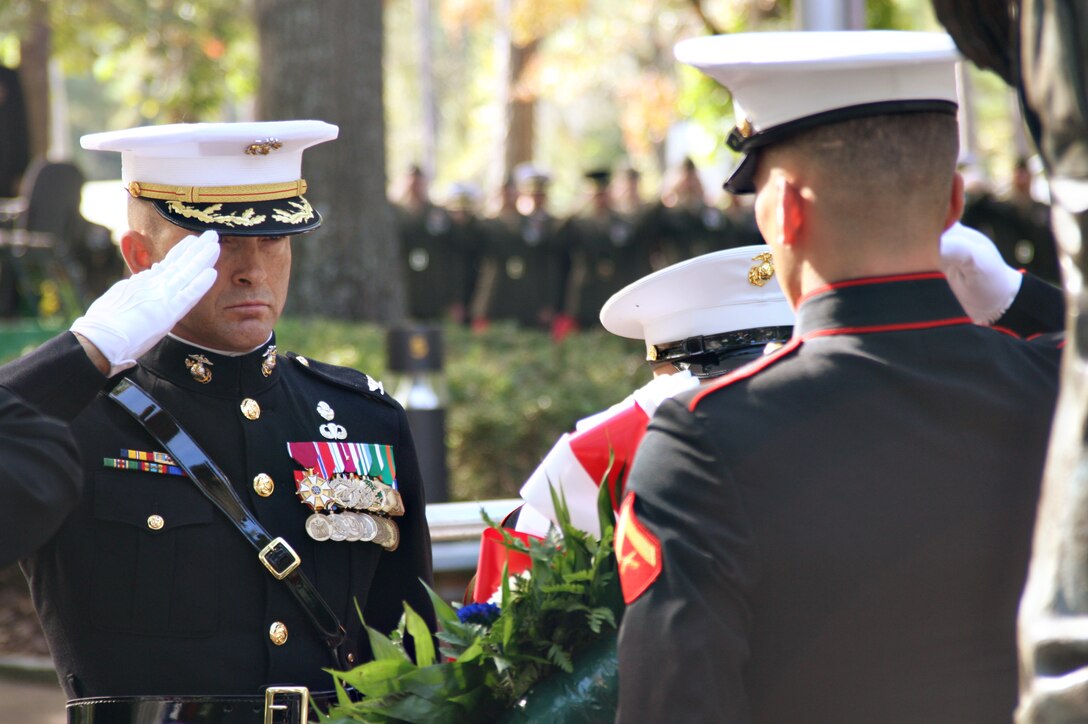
x,y
481,613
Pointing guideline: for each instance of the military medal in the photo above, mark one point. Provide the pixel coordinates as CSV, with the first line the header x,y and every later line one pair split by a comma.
x,y
368,526
351,489
338,528
317,527
268,361
199,367
388,535
314,490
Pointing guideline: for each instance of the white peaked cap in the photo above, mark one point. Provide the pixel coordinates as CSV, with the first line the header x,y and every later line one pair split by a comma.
x,y
212,154
234,178
707,295
784,82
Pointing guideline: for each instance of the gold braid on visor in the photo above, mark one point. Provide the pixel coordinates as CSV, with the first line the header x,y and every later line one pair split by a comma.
x,y
218,194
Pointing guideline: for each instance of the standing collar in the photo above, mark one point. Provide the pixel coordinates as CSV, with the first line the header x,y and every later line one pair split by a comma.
x,y
177,361
879,304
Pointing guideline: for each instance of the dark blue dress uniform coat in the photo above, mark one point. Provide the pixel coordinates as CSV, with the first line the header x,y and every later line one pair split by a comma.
x,y
187,608
845,526
40,477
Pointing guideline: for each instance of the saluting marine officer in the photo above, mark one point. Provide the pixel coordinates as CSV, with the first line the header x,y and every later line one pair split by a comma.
x,y
840,532
239,502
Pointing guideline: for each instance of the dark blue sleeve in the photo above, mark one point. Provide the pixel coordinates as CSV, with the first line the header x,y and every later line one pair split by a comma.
x,y
1039,308
692,624
40,479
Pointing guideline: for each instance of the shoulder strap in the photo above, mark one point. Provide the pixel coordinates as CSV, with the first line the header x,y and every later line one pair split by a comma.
x,y
274,553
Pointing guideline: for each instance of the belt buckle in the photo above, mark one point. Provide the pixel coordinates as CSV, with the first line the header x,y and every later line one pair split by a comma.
x,y
273,545
300,704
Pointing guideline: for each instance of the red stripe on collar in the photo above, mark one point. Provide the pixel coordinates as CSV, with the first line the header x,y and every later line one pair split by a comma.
x,y
865,281
746,371
900,327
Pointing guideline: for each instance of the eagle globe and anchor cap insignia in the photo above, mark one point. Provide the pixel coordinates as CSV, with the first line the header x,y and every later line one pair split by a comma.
x,y
762,272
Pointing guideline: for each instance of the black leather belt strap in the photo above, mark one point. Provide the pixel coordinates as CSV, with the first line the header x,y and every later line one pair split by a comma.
x,y
274,553
286,705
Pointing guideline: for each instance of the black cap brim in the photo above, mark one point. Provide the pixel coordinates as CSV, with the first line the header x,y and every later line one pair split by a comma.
x,y
742,179
279,217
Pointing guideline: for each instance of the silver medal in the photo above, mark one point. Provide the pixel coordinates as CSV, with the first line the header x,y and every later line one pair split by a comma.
x,y
317,527
351,526
367,526
338,528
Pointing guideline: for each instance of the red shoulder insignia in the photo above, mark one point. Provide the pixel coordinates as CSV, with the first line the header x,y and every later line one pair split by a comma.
x,y
638,552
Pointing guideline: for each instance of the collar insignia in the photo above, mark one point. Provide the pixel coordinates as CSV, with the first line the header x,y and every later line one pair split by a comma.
x,y
200,368
268,361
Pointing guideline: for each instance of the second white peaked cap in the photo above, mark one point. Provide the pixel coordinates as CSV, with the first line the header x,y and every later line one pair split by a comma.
x,y
247,171
714,294
784,82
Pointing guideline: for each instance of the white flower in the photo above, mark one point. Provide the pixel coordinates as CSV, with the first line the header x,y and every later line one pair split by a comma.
x,y
515,583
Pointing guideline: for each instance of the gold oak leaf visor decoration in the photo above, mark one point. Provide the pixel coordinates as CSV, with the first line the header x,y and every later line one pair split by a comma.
x,y
254,210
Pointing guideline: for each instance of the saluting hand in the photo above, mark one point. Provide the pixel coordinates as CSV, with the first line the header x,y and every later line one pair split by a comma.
x,y
981,280
135,313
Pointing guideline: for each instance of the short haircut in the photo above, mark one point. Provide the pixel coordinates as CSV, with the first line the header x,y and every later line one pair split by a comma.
x,y
145,218
909,157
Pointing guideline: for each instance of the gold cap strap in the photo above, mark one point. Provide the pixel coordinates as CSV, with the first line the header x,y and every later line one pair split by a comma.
x,y
218,194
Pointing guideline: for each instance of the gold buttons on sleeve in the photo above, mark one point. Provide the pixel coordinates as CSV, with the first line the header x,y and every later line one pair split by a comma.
x,y
277,633
250,408
263,485
155,522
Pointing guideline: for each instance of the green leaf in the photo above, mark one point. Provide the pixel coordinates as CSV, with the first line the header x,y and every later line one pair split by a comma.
x,y
421,636
383,648
444,612
377,678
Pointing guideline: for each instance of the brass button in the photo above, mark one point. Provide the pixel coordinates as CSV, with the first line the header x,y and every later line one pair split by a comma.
x,y
250,408
263,485
155,522
277,632
351,658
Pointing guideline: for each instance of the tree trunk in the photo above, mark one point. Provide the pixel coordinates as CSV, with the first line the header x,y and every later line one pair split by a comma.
x,y
323,61
522,114
34,48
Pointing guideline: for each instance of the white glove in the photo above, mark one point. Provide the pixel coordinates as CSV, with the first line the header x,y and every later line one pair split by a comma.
x,y
135,313
981,280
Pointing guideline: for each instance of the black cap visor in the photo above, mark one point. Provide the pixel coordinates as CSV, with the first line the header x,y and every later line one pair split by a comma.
x,y
742,179
278,217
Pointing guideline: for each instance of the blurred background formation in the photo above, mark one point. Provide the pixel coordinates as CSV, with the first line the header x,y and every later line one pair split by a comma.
x,y
503,167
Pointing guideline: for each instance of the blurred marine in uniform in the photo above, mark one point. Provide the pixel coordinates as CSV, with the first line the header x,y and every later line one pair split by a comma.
x,y
606,249
423,233
526,260
239,502
840,532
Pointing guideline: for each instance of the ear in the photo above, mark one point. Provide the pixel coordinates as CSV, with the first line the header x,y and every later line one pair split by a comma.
x,y
137,252
955,202
791,212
